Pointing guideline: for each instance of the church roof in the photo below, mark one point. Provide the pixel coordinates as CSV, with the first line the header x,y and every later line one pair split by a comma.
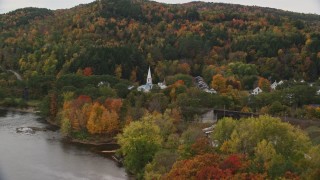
x,y
149,73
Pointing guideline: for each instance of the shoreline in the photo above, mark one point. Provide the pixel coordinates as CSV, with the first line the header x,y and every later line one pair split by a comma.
x,y
111,141
26,110
92,143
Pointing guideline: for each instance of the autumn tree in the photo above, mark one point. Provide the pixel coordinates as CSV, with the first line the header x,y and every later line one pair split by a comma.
x,y
113,104
264,84
102,120
161,164
183,68
208,72
133,75
139,142
219,83
188,138
94,124
188,169
273,143
223,130
312,170
87,71
118,71
80,110
158,102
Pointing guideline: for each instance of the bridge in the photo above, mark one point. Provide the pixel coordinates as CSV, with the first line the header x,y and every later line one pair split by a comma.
x,y
221,113
214,115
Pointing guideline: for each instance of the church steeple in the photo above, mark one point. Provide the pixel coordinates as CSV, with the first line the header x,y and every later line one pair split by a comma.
x,y
149,78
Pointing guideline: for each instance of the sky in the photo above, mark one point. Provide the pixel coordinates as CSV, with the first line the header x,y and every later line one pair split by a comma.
x,y
303,6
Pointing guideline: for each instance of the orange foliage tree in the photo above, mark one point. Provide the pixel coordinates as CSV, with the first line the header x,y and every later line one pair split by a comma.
x,y
94,124
113,104
104,118
219,83
184,68
264,84
77,112
96,118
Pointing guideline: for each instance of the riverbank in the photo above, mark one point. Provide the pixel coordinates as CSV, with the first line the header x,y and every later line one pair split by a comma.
x,y
26,110
93,141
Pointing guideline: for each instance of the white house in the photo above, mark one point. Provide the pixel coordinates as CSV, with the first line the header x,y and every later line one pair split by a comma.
x,y
256,91
103,83
280,82
275,84
211,91
162,85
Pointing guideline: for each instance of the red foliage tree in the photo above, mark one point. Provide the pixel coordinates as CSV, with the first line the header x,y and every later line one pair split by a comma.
x,y
233,162
187,169
83,99
87,71
213,172
201,146
113,104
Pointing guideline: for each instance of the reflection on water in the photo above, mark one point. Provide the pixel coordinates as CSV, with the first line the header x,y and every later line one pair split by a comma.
x,y
44,156
3,113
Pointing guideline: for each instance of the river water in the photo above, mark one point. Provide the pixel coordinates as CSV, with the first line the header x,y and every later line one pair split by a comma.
x,y
43,155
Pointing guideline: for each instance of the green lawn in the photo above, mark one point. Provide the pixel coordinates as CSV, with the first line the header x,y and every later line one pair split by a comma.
x,y
314,133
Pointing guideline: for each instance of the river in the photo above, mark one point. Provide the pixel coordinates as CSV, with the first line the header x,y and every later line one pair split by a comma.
x,y
42,155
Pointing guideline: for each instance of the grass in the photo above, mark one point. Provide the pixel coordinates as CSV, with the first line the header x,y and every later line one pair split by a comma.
x,y
316,140
81,135
314,133
33,103
313,129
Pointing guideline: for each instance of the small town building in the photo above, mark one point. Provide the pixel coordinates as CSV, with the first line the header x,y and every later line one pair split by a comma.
x,y
201,84
211,91
148,86
162,85
256,91
276,84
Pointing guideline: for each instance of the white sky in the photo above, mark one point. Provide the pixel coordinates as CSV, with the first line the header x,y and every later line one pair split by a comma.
x,y
304,6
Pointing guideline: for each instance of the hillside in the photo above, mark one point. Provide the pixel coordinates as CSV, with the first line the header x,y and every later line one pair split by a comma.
x,y
135,34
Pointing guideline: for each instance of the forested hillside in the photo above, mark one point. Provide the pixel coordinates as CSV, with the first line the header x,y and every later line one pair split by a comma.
x,y
200,38
81,68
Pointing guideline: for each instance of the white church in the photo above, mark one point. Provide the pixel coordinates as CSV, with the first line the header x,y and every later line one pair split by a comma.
x,y
148,86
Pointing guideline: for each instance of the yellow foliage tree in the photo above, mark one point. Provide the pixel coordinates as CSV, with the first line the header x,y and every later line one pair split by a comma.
x,y
118,71
94,125
102,121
